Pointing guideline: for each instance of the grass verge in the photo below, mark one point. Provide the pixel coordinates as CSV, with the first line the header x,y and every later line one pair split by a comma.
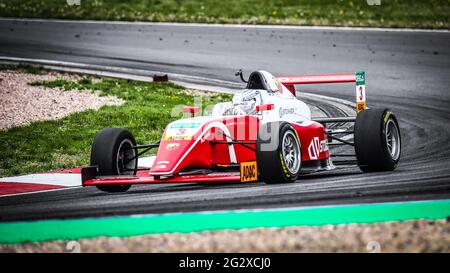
x,y
30,69
392,13
49,145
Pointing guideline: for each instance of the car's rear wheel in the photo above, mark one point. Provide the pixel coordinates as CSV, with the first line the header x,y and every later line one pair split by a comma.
x,y
377,140
112,153
278,153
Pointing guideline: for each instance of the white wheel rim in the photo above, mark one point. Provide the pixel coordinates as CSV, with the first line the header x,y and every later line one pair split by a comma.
x,y
121,156
393,139
291,152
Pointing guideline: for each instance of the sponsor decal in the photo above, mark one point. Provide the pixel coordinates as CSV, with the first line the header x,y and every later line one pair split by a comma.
x,y
250,96
286,111
388,114
185,125
360,78
247,100
162,162
316,147
172,146
181,131
205,137
162,166
249,171
360,106
221,174
283,166
169,138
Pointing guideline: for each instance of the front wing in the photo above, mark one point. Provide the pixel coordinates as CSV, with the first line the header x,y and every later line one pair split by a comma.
x,y
89,178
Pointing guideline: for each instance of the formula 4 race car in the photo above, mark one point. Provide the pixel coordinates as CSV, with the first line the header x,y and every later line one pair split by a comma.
x,y
264,134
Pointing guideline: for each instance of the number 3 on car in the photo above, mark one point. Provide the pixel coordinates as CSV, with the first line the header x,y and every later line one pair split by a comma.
x,y
249,171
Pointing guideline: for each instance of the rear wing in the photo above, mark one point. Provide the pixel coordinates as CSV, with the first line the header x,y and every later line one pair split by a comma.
x,y
358,78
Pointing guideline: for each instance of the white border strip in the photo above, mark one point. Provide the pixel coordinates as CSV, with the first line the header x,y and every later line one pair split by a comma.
x,y
121,72
51,179
201,83
292,27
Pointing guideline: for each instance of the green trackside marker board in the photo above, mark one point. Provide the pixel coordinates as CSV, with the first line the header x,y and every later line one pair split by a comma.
x,y
360,78
17,232
360,91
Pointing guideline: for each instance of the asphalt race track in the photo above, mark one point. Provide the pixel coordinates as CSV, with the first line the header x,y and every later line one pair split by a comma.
x,y
407,71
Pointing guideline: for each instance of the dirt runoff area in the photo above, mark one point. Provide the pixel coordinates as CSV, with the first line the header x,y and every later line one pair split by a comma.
x,y
408,236
21,103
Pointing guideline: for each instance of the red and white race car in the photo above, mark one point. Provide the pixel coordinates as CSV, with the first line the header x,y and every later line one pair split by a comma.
x,y
264,134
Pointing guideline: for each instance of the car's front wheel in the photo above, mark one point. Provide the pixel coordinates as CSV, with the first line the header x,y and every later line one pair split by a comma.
x,y
278,153
113,155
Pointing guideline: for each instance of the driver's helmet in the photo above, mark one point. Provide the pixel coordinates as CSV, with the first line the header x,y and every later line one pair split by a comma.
x,y
246,101
271,82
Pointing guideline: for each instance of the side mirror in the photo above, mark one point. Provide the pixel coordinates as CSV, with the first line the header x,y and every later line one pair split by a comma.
x,y
239,73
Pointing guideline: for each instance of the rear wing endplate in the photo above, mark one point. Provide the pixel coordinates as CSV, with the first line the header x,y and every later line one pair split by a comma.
x,y
358,78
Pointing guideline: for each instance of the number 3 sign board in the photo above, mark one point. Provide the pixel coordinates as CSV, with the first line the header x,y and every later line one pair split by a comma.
x,y
360,91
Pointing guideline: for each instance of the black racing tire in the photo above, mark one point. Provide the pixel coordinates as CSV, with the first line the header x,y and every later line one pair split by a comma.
x,y
108,154
377,140
274,167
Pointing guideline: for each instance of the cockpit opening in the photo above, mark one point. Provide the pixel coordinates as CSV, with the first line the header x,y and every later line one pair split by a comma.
x,y
255,81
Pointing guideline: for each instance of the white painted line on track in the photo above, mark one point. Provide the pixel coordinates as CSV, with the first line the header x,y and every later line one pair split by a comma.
x,y
62,66
130,74
292,27
114,71
337,100
212,85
